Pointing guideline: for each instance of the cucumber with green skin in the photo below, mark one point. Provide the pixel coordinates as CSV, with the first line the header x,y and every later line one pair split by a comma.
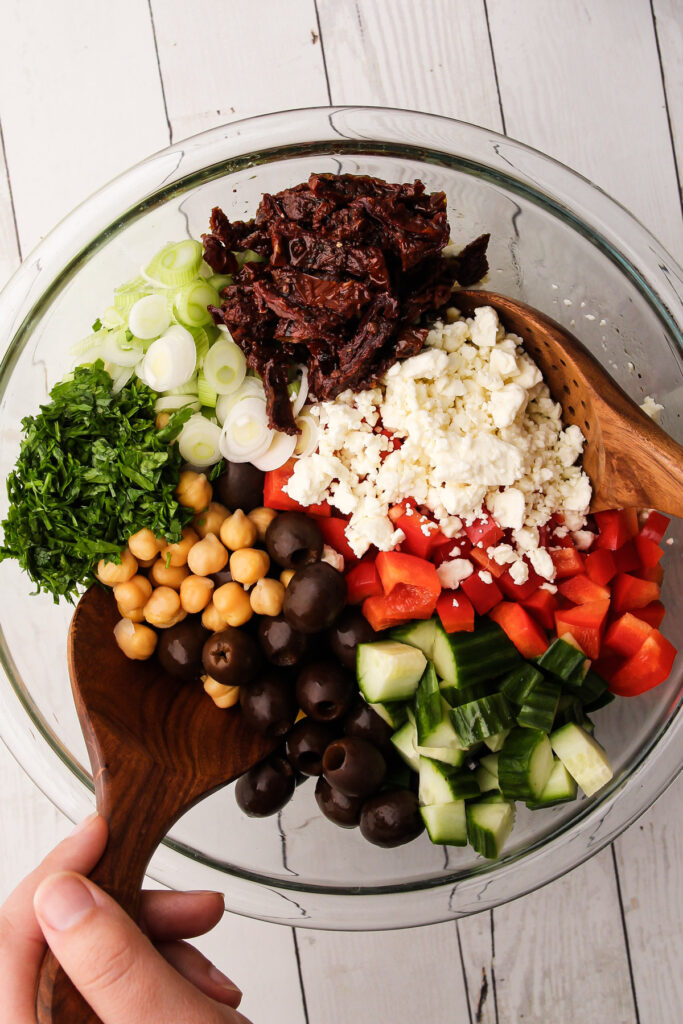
x,y
583,757
404,740
539,707
434,728
463,659
562,660
441,784
481,718
388,670
525,764
420,634
446,824
489,823
559,789
520,682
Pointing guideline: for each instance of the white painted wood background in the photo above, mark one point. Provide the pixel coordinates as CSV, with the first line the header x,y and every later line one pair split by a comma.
x,y
87,88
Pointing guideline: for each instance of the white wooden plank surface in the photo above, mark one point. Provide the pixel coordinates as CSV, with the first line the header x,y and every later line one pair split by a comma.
x,y
567,85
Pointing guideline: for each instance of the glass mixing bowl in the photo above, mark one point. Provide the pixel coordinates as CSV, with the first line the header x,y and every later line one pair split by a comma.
x,y
558,243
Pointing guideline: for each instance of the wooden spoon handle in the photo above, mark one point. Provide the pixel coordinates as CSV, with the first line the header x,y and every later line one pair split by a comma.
x,y
139,808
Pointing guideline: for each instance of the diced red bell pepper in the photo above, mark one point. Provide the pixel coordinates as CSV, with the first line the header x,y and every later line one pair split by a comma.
x,y
616,526
394,567
334,534
649,552
275,497
484,530
607,664
483,595
363,581
447,549
479,556
422,534
456,612
629,592
580,590
654,575
525,633
542,605
519,591
396,511
586,623
647,668
653,613
600,566
626,557
654,527
403,604
626,635
567,561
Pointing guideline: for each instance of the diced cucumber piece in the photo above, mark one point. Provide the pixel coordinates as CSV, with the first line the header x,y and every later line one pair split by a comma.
x,y
594,692
559,789
521,681
420,634
434,727
404,739
539,707
454,696
441,784
525,764
486,779
562,660
463,659
446,824
394,712
582,756
495,742
490,763
388,670
488,826
481,718
454,756
569,709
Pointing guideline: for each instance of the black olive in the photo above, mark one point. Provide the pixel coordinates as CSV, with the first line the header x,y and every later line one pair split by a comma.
x,y
350,629
231,657
364,722
180,648
391,818
307,741
293,540
354,766
280,642
240,486
325,690
265,788
314,598
341,809
268,703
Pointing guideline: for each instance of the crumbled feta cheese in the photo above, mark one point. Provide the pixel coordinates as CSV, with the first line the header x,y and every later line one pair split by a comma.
x,y
519,572
583,539
332,557
451,574
542,563
485,576
507,508
652,409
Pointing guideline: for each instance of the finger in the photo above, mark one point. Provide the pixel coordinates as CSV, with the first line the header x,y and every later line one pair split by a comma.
x,y
180,915
114,966
22,943
194,966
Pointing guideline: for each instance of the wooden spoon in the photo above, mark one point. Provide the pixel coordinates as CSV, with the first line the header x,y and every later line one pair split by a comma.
x,y
157,745
631,462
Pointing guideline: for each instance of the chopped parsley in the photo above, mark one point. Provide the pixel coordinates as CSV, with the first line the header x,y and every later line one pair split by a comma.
x,y
92,470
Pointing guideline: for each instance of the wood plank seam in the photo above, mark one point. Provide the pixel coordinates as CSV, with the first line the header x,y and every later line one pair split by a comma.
x,y
322,51
666,104
161,77
495,69
3,152
624,926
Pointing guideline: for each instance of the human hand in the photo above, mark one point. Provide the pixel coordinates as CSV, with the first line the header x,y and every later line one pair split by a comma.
x,y
125,975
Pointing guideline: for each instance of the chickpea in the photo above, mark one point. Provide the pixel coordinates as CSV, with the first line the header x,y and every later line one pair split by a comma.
x,y
248,565
134,614
144,545
207,556
137,642
195,593
232,602
267,596
163,608
262,518
168,576
145,563
238,531
194,490
222,696
110,573
212,619
285,576
176,554
162,420
133,594
210,520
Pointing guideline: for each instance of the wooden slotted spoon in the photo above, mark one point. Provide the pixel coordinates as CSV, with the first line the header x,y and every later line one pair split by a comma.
x,y
631,462
157,745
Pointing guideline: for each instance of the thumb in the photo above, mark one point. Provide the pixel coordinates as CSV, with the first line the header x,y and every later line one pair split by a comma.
x,y
112,964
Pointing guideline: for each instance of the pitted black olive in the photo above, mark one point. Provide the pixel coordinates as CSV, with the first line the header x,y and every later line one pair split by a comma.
x,y
231,657
391,818
325,690
293,540
350,629
362,721
268,703
354,766
280,642
307,741
265,788
341,809
240,486
180,648
314,597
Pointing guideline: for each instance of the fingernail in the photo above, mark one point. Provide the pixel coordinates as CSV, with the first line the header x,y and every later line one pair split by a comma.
x,y
81,827
62,901
220,979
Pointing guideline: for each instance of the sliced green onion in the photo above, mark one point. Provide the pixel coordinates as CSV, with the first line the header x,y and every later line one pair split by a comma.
x,y
191,387
119,349
205,270
246,433
280,449
225,367
220,281
249,388
126,295
149,317
170,361
112,318
202,339
207,396
93,341
248,256
191,302
299,390
199,441
307,440
120,375
170,403
177,263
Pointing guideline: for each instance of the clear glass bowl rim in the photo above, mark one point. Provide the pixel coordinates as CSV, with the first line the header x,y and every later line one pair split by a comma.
x,y
256,140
